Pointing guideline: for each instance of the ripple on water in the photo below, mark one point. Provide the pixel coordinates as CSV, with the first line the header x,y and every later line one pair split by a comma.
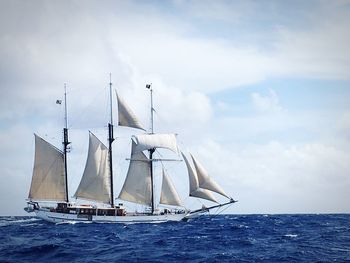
x,y
228,238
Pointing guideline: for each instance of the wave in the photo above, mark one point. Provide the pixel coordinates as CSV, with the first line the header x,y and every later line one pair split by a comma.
x,y
291,235
227,238
6,221
73,222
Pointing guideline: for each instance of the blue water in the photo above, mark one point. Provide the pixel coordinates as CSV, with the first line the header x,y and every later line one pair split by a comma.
x,y
224,238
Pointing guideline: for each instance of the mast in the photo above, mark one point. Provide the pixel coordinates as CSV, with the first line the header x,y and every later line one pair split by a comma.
x,y
65,140
151,151
110,139
152,109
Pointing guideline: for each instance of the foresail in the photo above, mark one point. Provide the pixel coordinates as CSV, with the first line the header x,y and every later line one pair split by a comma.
x,y
168,195
137,185
126,116
48,180
193,180
150,141
95,183
195,191
204,194
205,181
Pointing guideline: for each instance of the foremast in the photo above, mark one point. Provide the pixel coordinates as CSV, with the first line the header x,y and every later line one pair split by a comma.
x,y
49,178
110,141
65,142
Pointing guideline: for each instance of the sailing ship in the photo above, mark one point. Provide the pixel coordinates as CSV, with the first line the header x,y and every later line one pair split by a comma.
x,y
48,195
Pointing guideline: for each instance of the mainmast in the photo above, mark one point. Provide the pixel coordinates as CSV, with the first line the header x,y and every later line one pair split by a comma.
x,y
111,139
65,140
151,151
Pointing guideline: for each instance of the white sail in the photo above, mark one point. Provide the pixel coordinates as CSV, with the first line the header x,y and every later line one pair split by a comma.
x,y
95,183
168,195
126,116
205,181
137,185
48,181
150,141
204,194
195,191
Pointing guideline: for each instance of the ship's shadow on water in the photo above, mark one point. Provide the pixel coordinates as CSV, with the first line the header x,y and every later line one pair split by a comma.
x,y
224,238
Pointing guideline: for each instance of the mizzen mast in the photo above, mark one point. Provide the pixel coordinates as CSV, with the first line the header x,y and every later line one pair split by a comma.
x,y
110,139
151,151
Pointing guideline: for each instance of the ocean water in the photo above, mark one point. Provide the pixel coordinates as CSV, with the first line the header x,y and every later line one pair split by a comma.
x,y
223,238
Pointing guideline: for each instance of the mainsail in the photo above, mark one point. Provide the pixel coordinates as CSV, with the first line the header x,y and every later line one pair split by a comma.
x,y
168,195
48,181
137,185
205,181
126,116
95,183
195,190
150,141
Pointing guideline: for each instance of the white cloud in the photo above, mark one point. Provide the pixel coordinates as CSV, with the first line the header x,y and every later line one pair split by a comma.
x,y
215,10
162,44
343,125
266,103
304,178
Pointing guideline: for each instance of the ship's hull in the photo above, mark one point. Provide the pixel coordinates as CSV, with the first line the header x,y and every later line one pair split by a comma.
x,y
56,217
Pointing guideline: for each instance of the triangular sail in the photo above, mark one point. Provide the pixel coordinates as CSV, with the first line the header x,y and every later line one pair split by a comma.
x,y
150,141
137,185
205,181
95,183
48,181
126,116
168,195
195,191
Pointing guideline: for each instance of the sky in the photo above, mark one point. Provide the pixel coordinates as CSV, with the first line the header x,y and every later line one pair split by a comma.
x,y
258,91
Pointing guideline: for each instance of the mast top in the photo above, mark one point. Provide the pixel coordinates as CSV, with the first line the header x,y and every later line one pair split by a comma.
x,y
149,86
110,98
65,106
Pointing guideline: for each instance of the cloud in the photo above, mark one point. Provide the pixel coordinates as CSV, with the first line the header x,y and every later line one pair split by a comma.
x,y
53,40
304,178
226,11
343,125
317,50
266,103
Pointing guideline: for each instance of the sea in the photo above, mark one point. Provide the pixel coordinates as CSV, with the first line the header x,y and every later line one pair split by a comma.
x,y
212,238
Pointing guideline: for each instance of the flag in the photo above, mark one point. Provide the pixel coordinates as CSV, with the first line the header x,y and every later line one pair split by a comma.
x,y
59,102
148,86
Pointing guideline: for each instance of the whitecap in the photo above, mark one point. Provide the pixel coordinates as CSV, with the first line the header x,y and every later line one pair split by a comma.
x,y
291,235
73,222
